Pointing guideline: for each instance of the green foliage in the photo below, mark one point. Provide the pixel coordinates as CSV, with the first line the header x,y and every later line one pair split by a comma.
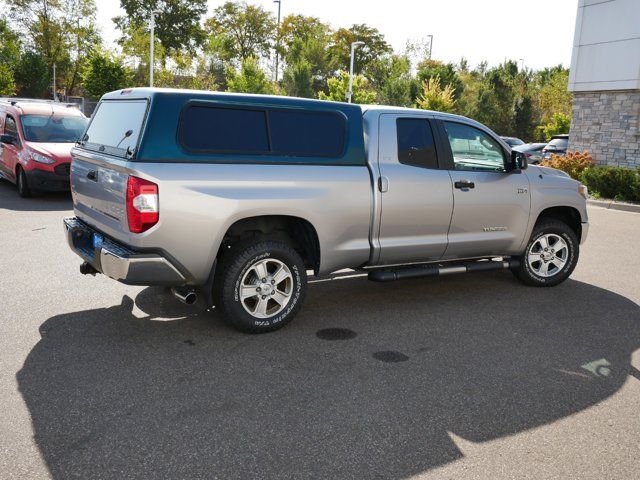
x,y
7,82
374,47
436,97
238,31
9,57
298,80
391,77
618,183
177,26
559,124
63,32
250,79
32,76
524,118
103,73
446,72
338,86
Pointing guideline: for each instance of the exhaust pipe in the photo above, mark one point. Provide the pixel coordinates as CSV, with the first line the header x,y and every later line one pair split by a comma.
x,y
186,295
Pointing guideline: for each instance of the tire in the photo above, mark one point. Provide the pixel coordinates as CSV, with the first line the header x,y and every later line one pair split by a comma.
x,y
239,276
547,268
23,184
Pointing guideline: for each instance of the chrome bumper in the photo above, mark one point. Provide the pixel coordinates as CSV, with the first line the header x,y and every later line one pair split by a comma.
x,y
118,261
585,232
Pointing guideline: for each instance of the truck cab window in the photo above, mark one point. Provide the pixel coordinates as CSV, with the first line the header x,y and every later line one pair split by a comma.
x,y
415,143
473,149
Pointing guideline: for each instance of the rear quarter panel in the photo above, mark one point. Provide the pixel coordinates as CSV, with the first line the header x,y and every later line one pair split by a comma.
x,y
199,202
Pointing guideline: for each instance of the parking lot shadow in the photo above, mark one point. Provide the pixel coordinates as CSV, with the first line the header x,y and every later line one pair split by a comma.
x,y
368,382
45,202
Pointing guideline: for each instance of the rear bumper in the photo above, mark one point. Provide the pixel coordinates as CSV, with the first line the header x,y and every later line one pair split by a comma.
x,y
118,261
47,181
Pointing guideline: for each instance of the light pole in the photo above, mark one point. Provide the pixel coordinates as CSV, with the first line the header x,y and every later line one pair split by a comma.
x,y
152,26
353,54
279,2
522,64
430,45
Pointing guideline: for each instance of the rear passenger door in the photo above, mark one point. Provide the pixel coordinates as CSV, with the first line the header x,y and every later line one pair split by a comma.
x,y
416,196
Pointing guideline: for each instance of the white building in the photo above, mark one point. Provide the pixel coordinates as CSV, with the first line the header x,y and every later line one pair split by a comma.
x,y
605,81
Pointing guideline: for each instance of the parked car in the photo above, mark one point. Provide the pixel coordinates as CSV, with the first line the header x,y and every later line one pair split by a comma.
x,y
36,141
512,141
533,152
237,197
558,145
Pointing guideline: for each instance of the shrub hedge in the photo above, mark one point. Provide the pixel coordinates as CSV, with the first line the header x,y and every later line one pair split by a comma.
x,y
618,183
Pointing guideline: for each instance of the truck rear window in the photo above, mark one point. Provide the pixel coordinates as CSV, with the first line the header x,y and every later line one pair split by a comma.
x,y
278,132
115,126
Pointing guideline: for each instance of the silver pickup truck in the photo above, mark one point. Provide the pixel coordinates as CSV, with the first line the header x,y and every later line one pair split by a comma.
x,y
240,197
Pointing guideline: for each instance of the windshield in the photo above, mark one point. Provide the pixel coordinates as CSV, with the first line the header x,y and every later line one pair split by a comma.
x,y
52,128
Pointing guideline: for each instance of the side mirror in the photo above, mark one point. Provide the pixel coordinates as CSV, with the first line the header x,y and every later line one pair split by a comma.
x,y
517,162
8,139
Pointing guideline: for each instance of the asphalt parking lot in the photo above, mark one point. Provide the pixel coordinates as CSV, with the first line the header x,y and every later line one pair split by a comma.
x,y
470,376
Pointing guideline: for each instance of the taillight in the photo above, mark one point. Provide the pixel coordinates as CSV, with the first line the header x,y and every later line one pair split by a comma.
x,y
142,204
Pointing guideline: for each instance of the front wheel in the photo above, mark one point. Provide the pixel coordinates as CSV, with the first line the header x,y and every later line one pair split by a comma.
x,y
550,255
22,183
260,286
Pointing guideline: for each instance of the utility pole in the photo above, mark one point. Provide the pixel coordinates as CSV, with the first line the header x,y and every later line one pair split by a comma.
x,y
353,54
54,82
279,2
152,27
430,45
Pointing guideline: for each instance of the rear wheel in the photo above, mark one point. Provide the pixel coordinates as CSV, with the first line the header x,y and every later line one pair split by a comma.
x,y
22,183
260,285
550,255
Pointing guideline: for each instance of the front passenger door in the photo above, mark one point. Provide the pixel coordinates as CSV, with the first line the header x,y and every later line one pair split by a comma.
x,y
491,205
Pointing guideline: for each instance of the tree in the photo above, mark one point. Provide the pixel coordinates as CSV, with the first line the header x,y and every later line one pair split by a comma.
x,y
250,79
32,75
391,77
177,26
298,80
9,57
238,31
61,31
306,39
436,97
446,72
559,124
554,95
524,121
103,73
374,47
338,86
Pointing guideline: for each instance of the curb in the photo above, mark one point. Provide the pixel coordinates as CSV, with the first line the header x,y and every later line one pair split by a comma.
x,y
613,205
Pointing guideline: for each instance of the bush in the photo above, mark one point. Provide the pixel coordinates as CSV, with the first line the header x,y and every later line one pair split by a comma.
x,y
618,183
573,163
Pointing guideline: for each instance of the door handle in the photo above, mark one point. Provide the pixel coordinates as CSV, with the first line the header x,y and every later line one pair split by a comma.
x,y
383,184
464,184
92,175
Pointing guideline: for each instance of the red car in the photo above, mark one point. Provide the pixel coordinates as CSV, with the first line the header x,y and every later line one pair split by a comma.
x,y
35,143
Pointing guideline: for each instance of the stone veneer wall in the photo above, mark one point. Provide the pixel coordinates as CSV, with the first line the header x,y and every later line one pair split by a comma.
x,y
607,124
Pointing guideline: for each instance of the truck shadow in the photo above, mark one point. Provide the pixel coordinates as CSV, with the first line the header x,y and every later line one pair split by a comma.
x,y
112,395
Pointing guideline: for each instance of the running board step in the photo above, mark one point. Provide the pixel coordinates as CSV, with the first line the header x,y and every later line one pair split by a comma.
x,y
435,270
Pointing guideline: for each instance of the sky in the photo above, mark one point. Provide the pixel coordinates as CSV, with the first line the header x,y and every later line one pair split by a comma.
x,y
540,32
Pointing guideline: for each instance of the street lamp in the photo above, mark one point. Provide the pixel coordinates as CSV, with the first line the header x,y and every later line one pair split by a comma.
x,y
152,26
279,2
430,45
353,53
